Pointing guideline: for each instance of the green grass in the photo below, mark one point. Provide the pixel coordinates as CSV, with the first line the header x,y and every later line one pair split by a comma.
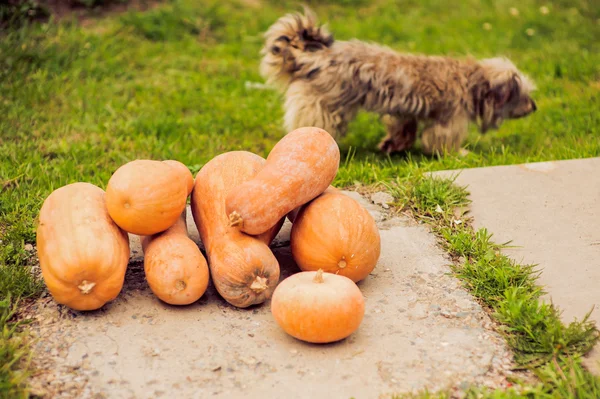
x,y
15,13
77,102
13,353
540,341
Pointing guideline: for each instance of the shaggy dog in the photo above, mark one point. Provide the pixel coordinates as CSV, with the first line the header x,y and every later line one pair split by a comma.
x,y
326,82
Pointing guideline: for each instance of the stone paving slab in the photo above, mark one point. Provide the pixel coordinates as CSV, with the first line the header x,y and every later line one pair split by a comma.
x,y
551,212
421,330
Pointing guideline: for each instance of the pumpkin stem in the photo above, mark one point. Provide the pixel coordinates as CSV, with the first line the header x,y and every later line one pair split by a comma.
x,y
235,219
319,277
259,284
342,263
86,287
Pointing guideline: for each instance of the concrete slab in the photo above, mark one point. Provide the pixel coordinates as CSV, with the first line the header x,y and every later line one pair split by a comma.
x,y
551,211
421,330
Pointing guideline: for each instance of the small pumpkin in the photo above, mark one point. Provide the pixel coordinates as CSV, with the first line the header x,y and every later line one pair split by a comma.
x,y
299,168
335,233
243,268
145,197
176,270
83,253
318,307
185,173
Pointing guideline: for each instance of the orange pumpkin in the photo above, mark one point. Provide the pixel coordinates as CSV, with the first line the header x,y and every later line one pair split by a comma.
x,y
299,168
335,233
175,268
243,268
83,253
145,197
185,173
318,307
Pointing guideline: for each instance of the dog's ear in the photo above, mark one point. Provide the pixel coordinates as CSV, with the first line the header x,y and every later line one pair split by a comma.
x,y
503,93
495,99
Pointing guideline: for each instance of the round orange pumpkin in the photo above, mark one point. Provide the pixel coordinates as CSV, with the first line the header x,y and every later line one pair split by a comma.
x,y
83,253
318,307
335,233
145,197
185,173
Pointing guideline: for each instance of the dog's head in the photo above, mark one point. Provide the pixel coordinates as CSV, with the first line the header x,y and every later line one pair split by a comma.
x,y
500,92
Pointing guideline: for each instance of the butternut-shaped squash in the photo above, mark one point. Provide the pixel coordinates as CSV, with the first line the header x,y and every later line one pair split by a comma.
x,y
83,253
243,268
185,173
293,214
176,270
336,234
145,197
299,168
318,307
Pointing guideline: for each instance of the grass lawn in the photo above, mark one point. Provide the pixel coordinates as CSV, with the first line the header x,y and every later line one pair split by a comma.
x,y
78,101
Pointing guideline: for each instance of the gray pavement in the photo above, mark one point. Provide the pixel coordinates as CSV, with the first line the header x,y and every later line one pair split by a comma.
x,y
551,212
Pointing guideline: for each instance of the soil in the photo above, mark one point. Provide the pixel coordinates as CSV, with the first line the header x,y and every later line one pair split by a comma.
x,y
421,330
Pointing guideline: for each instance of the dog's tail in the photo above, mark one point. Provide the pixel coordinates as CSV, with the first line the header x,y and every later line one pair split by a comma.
x,y
286,41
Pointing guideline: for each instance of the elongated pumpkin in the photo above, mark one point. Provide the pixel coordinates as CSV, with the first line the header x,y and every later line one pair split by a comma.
x,y
184,172
83,253
243,268
299,168
145,197
318,307
293,214
176,270
336,234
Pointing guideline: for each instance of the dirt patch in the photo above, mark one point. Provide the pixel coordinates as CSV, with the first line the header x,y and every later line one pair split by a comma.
x,y
421,330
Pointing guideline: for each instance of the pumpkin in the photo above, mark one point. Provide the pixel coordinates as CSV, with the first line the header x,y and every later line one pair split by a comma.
x,y
299,168
145,197
83,253
243,268
335,233
294,213
318,307
175,268
185,173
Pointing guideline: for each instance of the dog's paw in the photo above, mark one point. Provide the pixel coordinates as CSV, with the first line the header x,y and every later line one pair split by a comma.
x,y
390,146
387,146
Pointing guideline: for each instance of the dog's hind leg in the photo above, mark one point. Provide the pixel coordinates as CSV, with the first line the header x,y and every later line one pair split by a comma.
x,y
401,134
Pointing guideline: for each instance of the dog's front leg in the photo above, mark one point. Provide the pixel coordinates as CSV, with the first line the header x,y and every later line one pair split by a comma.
x,y
401,134
439,137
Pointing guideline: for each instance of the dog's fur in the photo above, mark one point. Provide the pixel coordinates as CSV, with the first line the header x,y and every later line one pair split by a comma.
x,y
326,82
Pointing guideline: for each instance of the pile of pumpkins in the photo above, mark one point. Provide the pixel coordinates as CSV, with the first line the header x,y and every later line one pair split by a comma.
x,y
239,202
